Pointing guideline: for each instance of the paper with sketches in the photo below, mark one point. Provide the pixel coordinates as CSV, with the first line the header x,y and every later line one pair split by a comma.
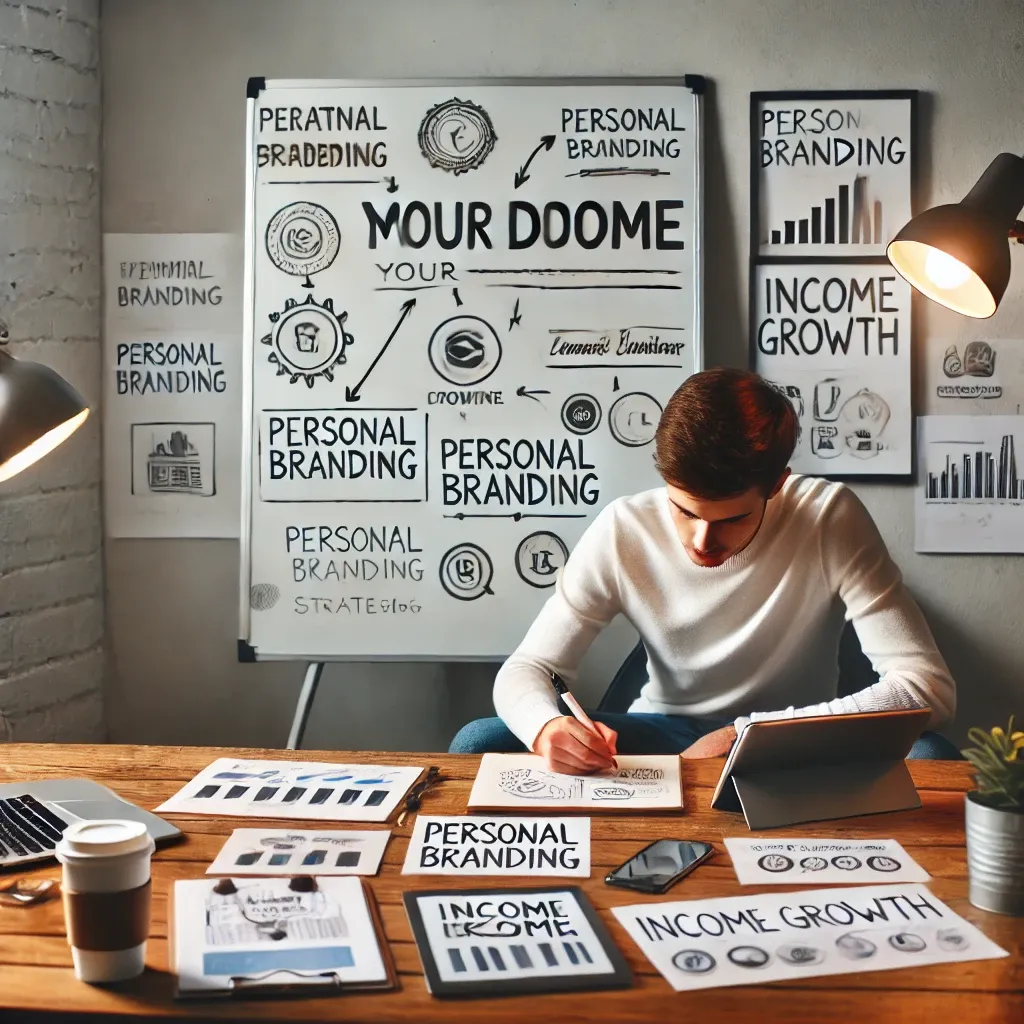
x,y
294,789
748,940
804,861
499,846
258,851
267,931
641,782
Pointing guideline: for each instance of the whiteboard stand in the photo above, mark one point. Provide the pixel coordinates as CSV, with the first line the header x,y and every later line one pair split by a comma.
x,y
314,670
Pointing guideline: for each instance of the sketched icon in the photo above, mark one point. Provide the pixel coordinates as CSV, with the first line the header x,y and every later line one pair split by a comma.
x,y
694,961
846,862
748,956
814,863
633,419
466,571
855,947
539,557
302,239
308,340
581,414
464,350
800,956
456,136
883,863
907,942
263,596
775,862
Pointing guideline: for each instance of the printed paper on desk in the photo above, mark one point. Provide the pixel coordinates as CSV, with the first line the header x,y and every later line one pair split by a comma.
x,y
257,851
641,782
748,940
294,789
813,861
499,846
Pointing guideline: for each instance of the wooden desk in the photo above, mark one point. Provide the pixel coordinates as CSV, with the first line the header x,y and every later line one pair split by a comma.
x,y
35,961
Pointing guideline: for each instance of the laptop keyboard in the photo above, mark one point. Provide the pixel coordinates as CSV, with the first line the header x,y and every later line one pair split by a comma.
x,y
27,828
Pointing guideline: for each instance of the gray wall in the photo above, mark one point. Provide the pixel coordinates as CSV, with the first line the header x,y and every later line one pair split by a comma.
x,y
51,567
174,74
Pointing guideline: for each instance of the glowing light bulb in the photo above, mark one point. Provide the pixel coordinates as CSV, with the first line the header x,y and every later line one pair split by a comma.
x,y
945,271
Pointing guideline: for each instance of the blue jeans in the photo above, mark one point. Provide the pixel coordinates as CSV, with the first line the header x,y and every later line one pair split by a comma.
x,y
641,733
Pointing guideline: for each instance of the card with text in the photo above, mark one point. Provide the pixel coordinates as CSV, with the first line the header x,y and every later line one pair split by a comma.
x,y
814,861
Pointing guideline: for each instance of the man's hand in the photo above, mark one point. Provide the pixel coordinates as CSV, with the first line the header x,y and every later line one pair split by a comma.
x,y
571,749
715,744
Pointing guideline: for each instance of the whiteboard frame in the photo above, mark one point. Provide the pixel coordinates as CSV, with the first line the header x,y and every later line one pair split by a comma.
x,y
696,87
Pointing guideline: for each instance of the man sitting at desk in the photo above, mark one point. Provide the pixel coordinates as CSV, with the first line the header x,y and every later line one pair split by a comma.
x,y
733,574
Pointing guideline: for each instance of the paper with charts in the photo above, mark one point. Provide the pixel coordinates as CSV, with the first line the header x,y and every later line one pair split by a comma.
x,y
284,851
294,789
802,861
748,940
640,783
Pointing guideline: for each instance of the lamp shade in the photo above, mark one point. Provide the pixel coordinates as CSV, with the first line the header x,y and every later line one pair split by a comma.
x,y
959,255
38,410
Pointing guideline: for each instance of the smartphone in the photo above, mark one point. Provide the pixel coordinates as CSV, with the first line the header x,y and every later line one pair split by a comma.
x,y
659,866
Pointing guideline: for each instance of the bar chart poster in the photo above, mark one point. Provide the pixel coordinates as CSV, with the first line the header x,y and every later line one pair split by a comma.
x,y
970,493
831,173
835,339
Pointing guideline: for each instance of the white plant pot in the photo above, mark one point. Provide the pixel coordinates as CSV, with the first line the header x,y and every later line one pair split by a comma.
x,y
995,858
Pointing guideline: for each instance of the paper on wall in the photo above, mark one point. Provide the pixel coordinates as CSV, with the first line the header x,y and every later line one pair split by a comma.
x,y
641,782
499,846
793,861
748,940
257,851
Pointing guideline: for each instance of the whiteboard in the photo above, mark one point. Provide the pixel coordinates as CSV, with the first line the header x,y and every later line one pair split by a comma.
x,y
466,304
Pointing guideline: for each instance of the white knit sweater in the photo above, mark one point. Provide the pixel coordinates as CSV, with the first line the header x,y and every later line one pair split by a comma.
x,y
754,638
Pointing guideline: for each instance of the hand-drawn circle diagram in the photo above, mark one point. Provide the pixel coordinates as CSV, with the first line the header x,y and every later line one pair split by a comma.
x,y
466,572
907,942
263,596
308,340
456,136
800,956
775,862
633,419
464,350
883,864
694,961
951,940
581,414
855,947
814,863
539,557
748,956
303,239
845,862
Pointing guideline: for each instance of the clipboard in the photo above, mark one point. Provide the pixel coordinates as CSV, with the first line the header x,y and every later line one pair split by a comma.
x,y
794,770
294,982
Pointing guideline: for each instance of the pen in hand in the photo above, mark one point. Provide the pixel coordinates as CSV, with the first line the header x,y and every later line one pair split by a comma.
x,y
578,713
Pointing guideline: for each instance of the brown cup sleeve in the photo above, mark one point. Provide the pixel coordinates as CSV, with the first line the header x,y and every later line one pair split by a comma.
x,y
108,921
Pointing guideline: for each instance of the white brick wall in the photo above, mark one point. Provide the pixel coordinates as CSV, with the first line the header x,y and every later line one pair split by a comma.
x,y
51,570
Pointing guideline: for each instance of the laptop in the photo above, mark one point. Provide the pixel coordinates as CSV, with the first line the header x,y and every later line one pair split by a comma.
x,y
33,816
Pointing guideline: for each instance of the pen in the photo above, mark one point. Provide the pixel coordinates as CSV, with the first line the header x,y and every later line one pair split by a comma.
x,y
574,706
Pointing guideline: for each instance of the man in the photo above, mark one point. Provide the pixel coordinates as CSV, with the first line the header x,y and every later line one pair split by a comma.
x,y
735,574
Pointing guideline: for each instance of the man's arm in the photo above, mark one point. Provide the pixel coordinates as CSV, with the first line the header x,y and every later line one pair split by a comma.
x,y
585,600
892,631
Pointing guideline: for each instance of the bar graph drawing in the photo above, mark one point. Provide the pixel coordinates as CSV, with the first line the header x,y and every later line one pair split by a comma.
x,y
966,471
849,217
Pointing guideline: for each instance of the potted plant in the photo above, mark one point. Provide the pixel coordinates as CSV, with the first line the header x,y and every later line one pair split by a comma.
x,y
995,820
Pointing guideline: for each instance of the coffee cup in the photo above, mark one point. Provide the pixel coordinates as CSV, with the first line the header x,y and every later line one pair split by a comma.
x,y
106,887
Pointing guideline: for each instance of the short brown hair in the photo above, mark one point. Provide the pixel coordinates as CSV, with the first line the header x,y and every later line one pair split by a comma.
x,y
723,432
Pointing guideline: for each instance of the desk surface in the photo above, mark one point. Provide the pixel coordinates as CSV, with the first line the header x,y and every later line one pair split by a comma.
x,y
35,961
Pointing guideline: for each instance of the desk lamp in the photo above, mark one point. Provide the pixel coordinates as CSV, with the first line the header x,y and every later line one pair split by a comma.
x,y
958,254
39,409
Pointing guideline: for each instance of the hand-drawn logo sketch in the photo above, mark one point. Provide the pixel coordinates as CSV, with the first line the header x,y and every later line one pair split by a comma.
x,y
633,419
539,557
796,399
775,862
814,863
694,961
855,947
883,863
612,792
907,942
173,459
308,340
464,350
303,239
951,939
532,784
826,400
748,956
846,862
581,414
456,136
825,441
800,956
466,572
863,419
263,596
255,913
979,361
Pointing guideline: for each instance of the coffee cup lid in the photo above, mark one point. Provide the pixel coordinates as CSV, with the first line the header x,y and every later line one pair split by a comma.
x,y
109,837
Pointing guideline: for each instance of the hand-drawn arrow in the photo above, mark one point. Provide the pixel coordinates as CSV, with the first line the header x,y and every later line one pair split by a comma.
x,y
516,317
455,294
546,142
523,393
352,394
